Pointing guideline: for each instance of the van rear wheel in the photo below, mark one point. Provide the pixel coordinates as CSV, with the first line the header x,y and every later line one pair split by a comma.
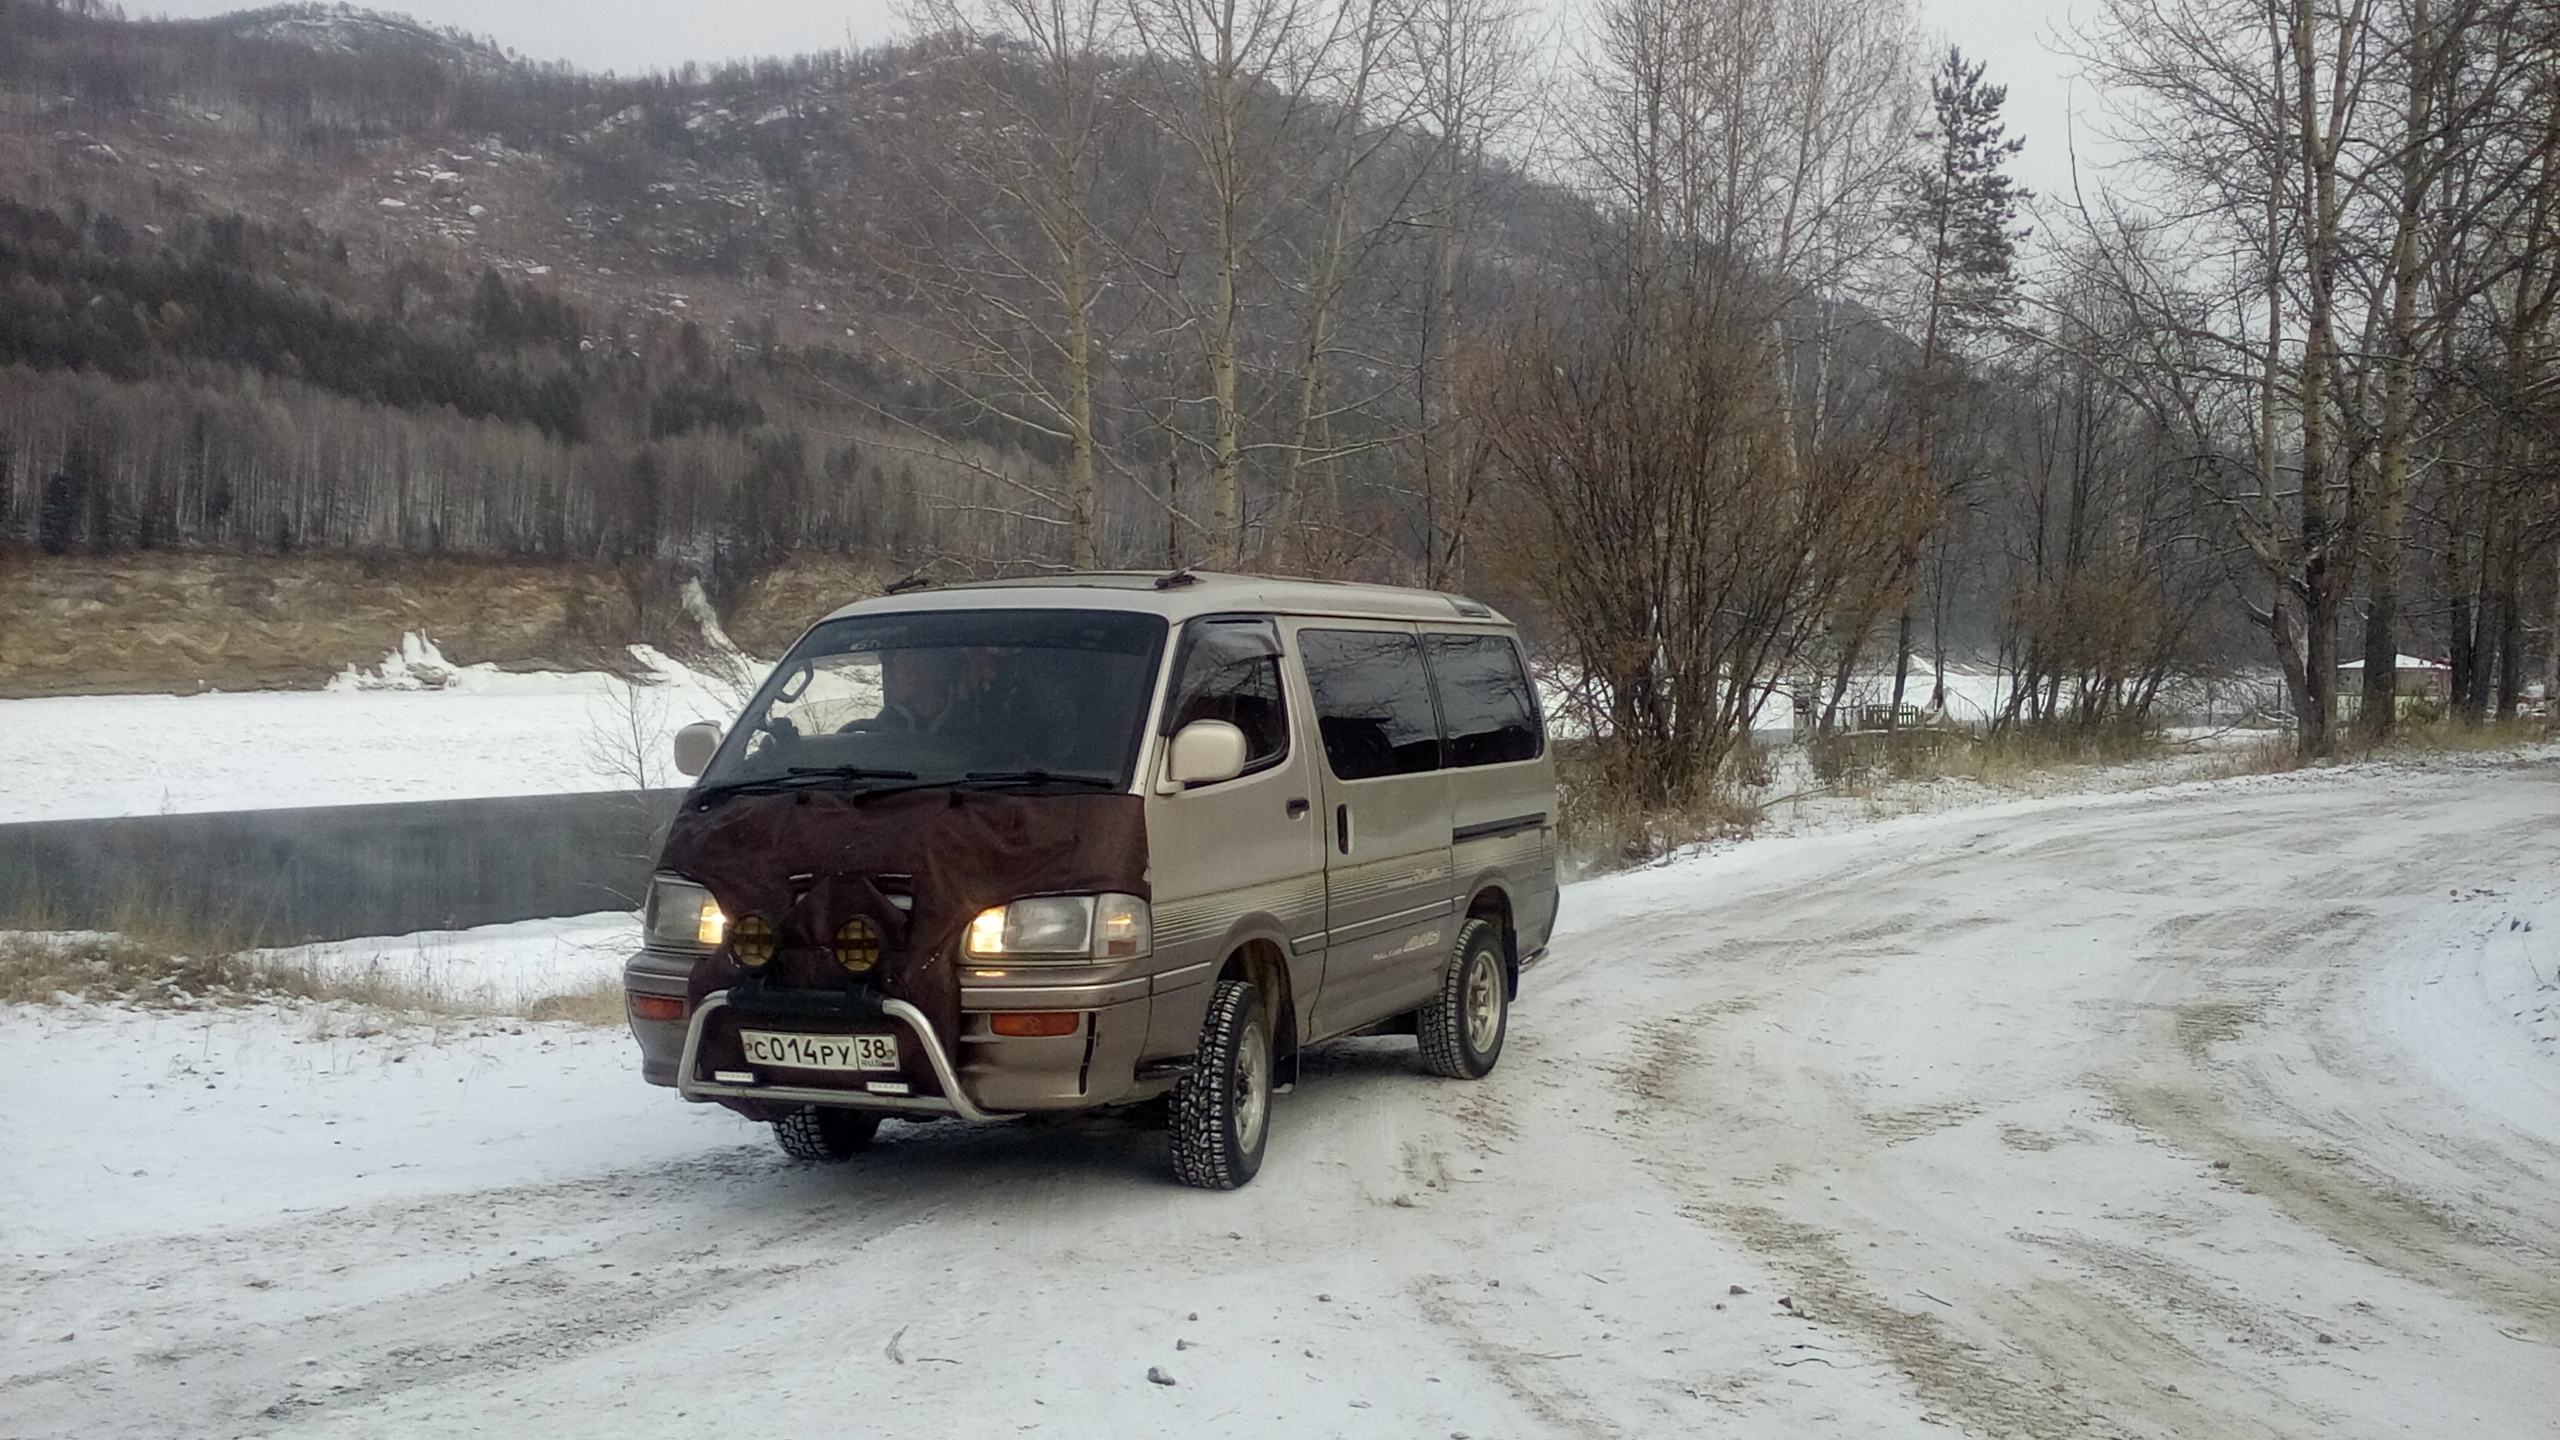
x,y
825,1135
1462,1028
1222,1109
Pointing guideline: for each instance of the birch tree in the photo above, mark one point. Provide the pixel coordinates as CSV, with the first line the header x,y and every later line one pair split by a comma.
x,y
1012,288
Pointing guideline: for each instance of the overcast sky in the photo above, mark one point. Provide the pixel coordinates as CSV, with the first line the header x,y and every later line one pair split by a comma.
x,y
638,35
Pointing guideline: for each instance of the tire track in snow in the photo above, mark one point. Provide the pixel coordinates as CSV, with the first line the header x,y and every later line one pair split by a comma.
x,y
618,1256
2087,1351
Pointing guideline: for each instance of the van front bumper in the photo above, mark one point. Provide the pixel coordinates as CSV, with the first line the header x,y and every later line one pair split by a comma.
x,y
691,1084
991,1075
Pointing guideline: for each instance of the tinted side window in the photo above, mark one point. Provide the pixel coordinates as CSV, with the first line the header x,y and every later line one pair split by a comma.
x,y
1373,705
1488,713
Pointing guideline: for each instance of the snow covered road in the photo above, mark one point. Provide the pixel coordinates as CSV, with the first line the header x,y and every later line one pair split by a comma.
x,y
2226,1109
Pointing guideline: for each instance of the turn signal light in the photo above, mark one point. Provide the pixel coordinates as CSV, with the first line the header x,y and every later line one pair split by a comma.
x,y
1035,1024
656,1007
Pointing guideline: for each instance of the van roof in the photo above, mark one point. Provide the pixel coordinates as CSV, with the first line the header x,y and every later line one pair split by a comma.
x,y
1179,595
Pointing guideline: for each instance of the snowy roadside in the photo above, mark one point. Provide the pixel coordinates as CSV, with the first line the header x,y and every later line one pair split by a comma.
x,y
486,970
1795,805
2226,1107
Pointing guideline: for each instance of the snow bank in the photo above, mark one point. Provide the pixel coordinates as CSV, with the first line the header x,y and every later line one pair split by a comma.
x,y
497,968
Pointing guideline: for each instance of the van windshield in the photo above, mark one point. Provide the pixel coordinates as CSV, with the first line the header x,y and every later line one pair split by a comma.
x,y
1025,699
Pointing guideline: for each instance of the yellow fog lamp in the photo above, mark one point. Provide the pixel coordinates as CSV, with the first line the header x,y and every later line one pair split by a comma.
x,y
858,945
751,940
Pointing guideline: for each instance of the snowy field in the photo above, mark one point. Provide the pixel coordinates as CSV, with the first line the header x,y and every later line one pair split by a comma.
x,y
2229,1108
414,728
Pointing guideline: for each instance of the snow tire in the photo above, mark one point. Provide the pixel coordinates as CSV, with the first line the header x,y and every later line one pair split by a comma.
x,y
1222,1109
825,1135
1462,1028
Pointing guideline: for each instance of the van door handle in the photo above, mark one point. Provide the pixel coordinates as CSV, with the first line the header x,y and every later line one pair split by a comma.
x,y
1298,808
1342,828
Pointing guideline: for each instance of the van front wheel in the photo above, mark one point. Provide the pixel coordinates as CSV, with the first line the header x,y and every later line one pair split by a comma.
x,y
1462,1028
1222,1109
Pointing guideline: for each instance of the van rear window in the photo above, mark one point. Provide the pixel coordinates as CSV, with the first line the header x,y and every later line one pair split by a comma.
x,y
1373,705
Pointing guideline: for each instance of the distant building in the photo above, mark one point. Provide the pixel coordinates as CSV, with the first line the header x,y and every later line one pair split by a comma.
x,y
2417,686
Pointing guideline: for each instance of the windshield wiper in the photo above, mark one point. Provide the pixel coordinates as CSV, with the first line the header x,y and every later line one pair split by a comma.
x,y
851,772
800,775
1040,777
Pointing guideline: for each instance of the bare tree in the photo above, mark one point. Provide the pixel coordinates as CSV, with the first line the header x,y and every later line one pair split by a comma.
x,y
1012,298
2248,110
1212,64
1689,530
1469,66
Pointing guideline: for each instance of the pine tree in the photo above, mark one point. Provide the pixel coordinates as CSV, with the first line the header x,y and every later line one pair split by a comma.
x,y
1959,211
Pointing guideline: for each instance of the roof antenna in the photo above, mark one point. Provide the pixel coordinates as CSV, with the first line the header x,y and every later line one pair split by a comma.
x,y
1176,580
914,580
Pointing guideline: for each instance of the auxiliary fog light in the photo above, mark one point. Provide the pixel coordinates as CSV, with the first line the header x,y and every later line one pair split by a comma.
x,y
858,945
751,940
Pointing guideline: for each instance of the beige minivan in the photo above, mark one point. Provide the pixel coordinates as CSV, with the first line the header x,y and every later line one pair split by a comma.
x,y
1112,840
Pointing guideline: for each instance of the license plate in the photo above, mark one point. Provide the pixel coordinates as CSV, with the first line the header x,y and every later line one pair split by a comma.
x,y
821,1052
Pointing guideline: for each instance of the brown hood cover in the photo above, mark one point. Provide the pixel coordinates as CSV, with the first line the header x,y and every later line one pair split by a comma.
x,y
965,849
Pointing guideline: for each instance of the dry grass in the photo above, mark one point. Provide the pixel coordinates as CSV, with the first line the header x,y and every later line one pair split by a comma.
x,y
1858,764
600,1003
2447,736
2275,751
2268,752
1601,832
154,959
38,967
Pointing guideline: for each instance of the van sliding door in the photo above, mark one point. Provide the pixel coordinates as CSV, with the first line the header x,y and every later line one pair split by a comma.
x,y
1386,821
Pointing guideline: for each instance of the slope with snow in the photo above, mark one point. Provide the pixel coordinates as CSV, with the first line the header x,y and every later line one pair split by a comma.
x,y
2232,1108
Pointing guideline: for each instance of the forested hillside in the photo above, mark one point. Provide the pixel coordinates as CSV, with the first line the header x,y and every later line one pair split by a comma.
x,y
304,278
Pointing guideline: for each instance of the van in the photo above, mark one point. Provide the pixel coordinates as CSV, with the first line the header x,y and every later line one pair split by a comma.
x,y
1105,841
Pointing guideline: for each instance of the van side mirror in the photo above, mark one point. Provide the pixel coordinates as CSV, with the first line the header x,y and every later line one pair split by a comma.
x,y
1205,752
694,744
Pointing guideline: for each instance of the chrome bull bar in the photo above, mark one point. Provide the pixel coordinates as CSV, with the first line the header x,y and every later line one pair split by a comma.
x,y
952,1101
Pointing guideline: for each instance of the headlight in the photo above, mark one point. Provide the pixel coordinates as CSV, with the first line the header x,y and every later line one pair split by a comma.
x,y
1099,927
683,916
